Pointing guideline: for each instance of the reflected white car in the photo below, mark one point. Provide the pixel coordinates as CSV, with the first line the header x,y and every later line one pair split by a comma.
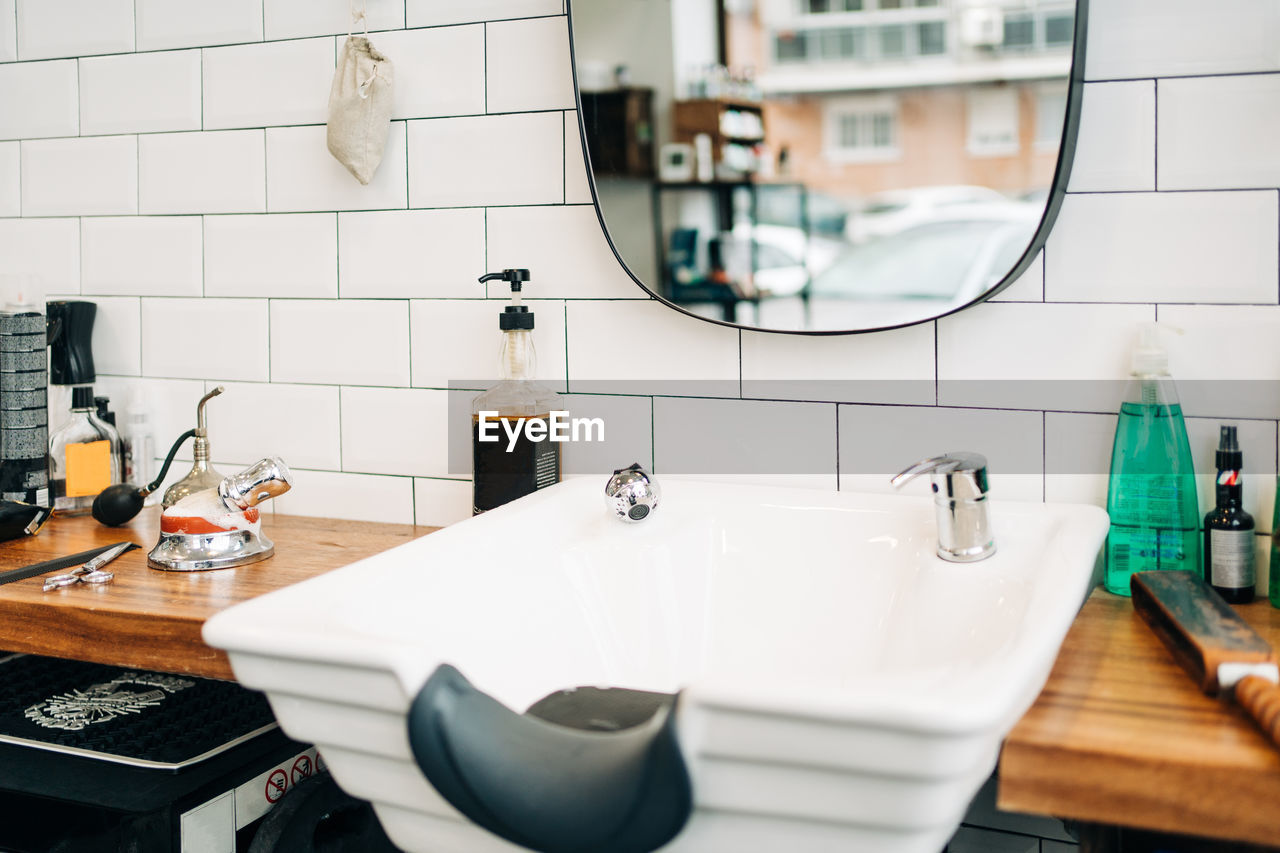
x,y
890,212
785,259
919,273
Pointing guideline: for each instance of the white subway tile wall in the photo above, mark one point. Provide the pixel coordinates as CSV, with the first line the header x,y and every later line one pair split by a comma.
x,y
259,85
50,28
140,93
402,254
431,13
535,237
183,183
487,160
345,342
8,31
1216,132
301,174
88,176
527,64
1165,247
10,179
47,248
140,255
1117,143
422,62
223,172
273,255
199,338
116,335
165,24
290,19
38,99
577,188
307,414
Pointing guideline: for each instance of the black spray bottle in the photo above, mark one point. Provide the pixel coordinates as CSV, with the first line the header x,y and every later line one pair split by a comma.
x,y
512,452
1228,529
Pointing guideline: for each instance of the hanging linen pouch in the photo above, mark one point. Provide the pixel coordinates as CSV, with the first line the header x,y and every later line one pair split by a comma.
x,y
360,107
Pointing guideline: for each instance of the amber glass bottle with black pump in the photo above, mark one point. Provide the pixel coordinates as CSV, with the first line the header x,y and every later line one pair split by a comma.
x,y
1228,529
505,470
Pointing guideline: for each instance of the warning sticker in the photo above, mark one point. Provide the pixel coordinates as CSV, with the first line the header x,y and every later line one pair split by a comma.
x,y
302,768
256,797
277,784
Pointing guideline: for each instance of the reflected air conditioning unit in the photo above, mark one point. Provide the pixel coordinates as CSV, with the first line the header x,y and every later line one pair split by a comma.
x,y
982,26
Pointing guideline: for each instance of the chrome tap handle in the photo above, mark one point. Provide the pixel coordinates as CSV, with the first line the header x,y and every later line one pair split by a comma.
x,y
966,474
960,503
266,479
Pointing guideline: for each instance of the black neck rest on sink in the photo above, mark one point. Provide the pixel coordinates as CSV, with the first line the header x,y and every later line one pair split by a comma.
x,y
548,787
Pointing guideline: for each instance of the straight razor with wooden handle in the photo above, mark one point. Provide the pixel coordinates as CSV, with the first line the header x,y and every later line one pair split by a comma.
x,y
1217,647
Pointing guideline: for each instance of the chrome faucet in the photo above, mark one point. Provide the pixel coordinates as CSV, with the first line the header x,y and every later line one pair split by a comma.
x,y
960,503
631,494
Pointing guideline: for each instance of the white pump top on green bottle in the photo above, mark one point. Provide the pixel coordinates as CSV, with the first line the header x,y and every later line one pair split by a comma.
x,y
1149,358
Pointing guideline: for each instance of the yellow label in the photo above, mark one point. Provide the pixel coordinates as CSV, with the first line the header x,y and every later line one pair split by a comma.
x,y
88,468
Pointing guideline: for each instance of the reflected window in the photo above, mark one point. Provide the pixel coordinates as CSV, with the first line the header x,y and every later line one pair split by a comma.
x,y
862,129
1019,31
893,42
1058,30
843,43
791,47
931,38
818,7
992,122
1051,111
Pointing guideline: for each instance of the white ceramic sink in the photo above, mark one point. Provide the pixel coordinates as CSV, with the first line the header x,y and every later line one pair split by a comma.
x,y
844,689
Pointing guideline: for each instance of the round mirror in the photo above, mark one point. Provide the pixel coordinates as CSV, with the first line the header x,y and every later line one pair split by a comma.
x,y
827,166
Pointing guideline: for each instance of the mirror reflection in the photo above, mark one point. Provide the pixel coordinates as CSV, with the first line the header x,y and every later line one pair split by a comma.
x,y
822,165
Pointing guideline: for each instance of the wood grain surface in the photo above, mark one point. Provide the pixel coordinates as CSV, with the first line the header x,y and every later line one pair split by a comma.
x,y
1121,734
152,619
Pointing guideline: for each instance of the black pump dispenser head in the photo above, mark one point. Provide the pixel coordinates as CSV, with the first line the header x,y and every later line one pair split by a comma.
x,y
71,353
1229,457
515,316
516,277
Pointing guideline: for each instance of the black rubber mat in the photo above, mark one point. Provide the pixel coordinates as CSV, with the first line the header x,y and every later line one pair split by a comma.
x,y
124,715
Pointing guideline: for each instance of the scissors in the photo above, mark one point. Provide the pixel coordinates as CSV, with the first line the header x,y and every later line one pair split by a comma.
x,y
91,572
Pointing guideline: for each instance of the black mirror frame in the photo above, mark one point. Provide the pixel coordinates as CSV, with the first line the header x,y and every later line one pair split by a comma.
x,y
1057,191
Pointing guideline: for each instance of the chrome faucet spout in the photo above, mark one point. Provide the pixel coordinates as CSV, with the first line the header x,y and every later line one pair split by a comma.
x,y
959,502
632,494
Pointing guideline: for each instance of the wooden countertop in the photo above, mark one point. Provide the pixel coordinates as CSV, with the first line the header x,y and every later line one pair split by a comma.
x,y
1121,735
151,619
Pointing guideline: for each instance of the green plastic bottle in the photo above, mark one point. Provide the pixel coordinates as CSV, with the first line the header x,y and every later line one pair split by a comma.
x,y
1151,497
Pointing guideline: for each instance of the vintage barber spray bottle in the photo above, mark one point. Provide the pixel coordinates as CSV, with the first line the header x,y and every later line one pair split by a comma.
x,y
509,460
